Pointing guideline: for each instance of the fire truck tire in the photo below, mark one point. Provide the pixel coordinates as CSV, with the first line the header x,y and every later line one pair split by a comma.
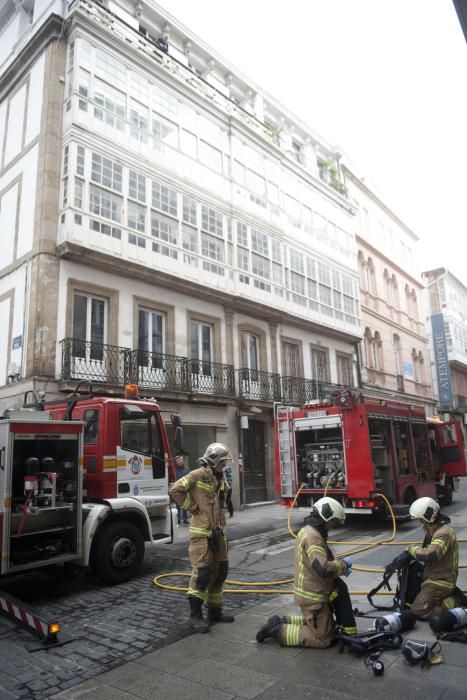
x,y
118,552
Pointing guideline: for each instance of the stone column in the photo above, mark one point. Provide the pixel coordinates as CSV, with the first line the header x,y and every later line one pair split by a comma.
x,y
43,303
273,340
229,340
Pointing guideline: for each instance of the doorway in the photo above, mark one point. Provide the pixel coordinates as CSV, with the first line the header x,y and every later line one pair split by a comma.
x,y
254,462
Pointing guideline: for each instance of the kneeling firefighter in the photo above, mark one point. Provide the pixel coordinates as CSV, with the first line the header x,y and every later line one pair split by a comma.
x,y
202,492
323,597
439,554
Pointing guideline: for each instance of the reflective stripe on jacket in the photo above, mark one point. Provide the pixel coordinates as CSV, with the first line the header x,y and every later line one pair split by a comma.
x,y
441,558
315,567
198,492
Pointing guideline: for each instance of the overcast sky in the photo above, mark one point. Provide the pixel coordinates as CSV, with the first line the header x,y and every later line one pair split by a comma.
x,y
384,80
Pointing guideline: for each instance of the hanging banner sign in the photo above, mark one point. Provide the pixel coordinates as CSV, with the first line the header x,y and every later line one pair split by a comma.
x,y
441,361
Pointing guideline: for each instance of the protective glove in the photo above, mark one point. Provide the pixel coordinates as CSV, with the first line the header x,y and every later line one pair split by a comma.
x,y
398,563
348,566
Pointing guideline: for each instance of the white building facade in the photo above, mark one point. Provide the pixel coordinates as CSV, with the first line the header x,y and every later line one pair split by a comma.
x,y
166,223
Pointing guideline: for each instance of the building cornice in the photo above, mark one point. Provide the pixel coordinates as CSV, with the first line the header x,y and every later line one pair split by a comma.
x,y
51,30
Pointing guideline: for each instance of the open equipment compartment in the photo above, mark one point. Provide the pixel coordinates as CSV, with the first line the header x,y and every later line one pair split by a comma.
x,y
41,485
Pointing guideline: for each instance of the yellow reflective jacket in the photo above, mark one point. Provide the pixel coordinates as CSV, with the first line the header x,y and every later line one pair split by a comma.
x,y
315,567
441,557
203,495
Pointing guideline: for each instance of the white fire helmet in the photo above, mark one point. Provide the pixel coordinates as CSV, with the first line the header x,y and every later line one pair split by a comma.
x,y
329,509
217,452
425,509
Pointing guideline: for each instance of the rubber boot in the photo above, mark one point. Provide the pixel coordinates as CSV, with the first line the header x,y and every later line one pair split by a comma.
x,y
216,615
197,623
270,629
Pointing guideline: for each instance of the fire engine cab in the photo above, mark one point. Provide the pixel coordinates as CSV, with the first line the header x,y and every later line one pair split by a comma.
x,y
356,448
84,479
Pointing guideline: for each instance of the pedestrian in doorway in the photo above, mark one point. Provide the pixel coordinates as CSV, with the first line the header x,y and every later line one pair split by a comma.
x,y
203,492
323,597
228,473
180,471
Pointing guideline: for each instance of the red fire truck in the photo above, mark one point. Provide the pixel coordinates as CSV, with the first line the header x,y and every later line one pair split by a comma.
x,y
84,480
357,447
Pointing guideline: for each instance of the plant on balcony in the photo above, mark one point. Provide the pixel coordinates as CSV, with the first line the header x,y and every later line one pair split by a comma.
x,y
334,180
274,132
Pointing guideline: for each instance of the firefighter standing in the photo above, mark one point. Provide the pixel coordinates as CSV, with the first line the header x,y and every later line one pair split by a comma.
x,y
440,555
202,492
322,596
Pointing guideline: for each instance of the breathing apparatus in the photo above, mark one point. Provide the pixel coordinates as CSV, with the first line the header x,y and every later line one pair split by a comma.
x,y
449,620
395,622
416,652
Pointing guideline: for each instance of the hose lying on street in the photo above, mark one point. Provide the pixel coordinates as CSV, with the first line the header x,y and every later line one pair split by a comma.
x,y
269,587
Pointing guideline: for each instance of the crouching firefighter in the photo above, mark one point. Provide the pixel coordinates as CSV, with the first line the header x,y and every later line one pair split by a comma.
x,y
202,492
439,555
323,597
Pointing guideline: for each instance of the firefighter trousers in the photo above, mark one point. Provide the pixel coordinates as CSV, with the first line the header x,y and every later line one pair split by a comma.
x,y
316,626
209,571
432,600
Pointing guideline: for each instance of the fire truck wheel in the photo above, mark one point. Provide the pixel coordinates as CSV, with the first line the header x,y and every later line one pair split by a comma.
x,y
118,552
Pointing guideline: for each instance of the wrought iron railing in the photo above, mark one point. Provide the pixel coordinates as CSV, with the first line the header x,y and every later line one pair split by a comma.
x,y
151,370
111,364
211,378
98,362
259,386
297,390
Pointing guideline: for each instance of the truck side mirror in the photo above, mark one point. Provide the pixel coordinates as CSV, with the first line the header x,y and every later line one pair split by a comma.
x,y
178,438
176,420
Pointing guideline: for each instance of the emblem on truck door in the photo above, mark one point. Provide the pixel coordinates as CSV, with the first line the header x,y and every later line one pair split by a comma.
x,y
136,464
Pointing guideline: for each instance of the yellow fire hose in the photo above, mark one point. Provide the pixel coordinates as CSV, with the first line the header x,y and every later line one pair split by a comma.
x,y
269,587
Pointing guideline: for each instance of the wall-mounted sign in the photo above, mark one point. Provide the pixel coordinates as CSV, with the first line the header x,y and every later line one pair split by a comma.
x,y
441,361
17,342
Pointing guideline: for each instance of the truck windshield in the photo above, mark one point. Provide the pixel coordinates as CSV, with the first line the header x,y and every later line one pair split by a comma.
x,y
139,432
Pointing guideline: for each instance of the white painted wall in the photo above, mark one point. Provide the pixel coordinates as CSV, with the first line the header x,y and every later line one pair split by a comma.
x,y
14,125
8,206
26,167
16,282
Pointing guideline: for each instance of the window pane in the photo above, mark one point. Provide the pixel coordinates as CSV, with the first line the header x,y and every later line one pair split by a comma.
x,y
79,317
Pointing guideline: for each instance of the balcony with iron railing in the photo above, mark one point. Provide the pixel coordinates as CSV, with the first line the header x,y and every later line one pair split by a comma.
x,y
259,386
96,362
151,370
211,378
115,366
298,390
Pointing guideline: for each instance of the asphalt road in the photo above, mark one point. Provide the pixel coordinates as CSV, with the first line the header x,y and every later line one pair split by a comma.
x,y
110,626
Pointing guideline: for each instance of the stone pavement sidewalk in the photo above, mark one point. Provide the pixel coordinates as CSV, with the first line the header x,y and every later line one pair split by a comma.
x,y
228,664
